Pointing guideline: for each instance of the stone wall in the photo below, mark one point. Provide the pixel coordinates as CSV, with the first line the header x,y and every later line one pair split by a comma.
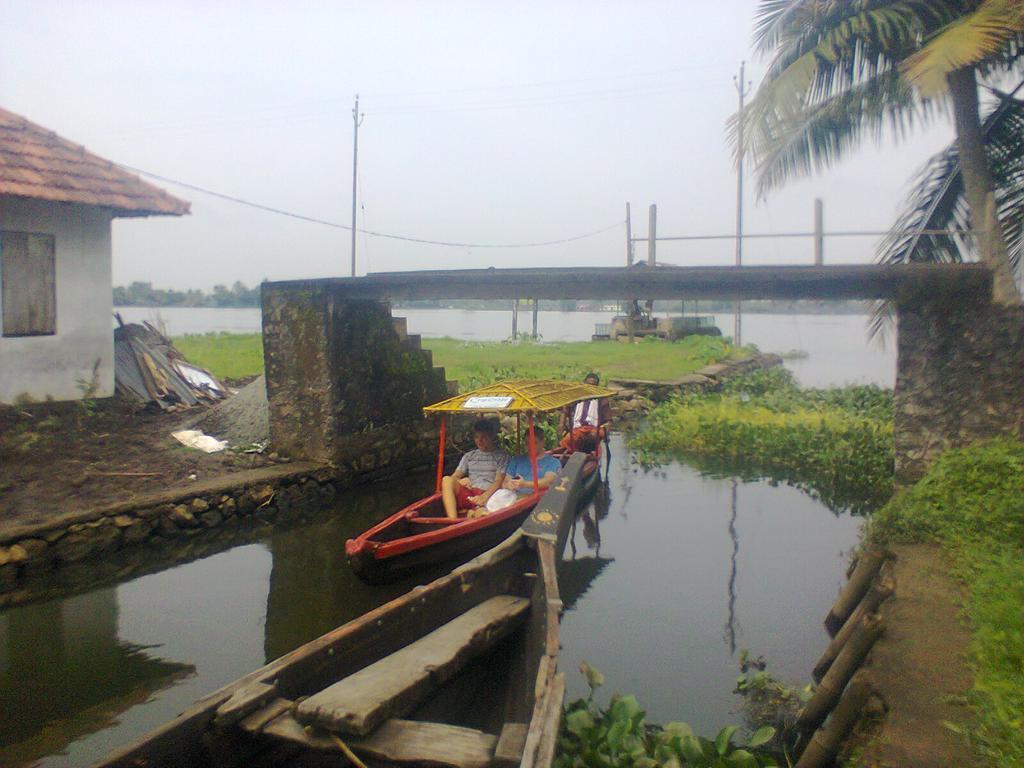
x,y
959,378
169,522
345,382
636,396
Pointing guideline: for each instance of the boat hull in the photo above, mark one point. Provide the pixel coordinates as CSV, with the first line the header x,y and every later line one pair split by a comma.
x,y
377,558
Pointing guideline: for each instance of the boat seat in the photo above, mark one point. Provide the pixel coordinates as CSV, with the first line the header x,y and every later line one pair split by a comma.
x,y
395,741
395,685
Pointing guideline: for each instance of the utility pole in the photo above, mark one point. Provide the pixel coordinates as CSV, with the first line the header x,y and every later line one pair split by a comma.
x,y
357,120
819,233
742,88
629,238
652,235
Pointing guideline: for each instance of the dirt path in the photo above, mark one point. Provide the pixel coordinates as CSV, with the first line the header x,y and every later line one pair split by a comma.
x,y
60,458
921,667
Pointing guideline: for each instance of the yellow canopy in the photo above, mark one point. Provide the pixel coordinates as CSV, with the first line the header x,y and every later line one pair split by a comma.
x,y
520,395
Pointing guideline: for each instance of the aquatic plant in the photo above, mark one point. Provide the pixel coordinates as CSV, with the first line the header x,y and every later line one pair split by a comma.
x,y
619,737
835,444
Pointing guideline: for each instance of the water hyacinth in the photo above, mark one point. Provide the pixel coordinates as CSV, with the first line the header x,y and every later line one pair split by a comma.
x,y
836,444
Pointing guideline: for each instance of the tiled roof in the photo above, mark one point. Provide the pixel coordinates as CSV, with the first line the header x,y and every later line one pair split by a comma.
x,y
37,163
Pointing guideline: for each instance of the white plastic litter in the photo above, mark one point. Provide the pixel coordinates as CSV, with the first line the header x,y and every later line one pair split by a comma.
x,y
193,438
500,499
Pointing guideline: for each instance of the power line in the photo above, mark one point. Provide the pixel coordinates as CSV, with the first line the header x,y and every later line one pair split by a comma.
x,y
370,233
287,111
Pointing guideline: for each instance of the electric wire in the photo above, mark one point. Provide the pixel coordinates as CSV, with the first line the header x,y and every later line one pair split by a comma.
x,y
368,232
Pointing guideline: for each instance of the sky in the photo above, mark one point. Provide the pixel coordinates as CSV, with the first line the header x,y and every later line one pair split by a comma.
x,y
483,123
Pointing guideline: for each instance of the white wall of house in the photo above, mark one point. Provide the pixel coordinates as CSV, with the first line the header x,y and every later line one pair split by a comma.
x,y
54,366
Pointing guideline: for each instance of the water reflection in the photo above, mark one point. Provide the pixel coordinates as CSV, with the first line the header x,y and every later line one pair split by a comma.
x,y
81,674
656,623
65,673
578,570
312,589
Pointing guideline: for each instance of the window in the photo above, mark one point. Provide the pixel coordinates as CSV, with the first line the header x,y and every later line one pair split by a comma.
x,y
28,276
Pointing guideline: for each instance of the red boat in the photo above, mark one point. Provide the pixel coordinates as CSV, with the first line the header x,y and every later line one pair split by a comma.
x,y
420,535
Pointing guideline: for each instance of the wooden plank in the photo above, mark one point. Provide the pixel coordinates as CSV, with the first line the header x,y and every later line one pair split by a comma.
x,y
396,684
397,741
243,701
29,284
552,722
509,750
541,713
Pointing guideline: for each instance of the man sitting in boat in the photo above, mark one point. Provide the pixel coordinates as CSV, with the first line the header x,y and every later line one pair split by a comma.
x,y
519,475
585,424
480,473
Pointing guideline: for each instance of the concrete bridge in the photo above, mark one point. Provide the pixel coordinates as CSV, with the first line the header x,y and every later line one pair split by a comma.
x,y
853,281
346,381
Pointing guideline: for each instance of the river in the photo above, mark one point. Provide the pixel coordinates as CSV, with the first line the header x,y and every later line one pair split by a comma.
x,y
836,346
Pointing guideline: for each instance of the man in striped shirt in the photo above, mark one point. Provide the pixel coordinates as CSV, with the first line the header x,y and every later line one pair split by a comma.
x,y
479,474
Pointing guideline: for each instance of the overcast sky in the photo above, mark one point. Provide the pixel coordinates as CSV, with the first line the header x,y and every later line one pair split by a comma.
x,y
485,122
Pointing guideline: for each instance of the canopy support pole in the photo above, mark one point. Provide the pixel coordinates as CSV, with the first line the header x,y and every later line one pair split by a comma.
x,y
440,452
533,455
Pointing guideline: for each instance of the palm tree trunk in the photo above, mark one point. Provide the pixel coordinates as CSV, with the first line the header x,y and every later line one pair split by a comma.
x,y
978,187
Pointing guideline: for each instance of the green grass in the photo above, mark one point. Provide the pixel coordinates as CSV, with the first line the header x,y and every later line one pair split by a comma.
x,y
474,364
225,355
972,503
836,444
229,355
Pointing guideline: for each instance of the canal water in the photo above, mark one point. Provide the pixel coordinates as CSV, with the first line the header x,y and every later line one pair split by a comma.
x,y
668,575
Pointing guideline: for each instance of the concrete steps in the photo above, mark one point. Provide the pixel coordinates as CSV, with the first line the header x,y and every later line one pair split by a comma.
x,y
414,341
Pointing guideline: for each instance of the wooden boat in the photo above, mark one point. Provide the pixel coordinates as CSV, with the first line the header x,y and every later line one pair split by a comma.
x,y
420,535
395,687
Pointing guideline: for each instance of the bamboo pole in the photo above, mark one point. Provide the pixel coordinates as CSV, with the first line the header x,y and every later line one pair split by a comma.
x,y
824,745
879,592
867,566
832,685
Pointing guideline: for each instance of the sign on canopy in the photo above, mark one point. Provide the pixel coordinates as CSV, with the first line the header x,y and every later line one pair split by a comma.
x,y
485,402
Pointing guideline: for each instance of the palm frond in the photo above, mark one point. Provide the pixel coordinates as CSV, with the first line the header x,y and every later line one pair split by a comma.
x,y
831,56
938,203
791,145
965,41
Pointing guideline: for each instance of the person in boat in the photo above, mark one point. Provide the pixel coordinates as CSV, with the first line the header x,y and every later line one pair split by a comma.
x,y
519,475
480,473
585,424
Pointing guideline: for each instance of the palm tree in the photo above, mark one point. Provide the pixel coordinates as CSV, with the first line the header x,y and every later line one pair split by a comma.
x,y
937,202
841,68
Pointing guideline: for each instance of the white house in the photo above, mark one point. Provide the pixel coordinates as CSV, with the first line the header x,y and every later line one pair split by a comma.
x,y
56,205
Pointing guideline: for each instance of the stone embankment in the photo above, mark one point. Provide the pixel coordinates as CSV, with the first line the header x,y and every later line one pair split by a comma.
x,y
637,396
256,496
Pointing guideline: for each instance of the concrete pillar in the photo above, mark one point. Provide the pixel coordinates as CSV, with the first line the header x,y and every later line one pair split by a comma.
x,y
343,387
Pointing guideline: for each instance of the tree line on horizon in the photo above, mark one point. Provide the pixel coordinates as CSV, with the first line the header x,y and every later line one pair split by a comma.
x,y
143,294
